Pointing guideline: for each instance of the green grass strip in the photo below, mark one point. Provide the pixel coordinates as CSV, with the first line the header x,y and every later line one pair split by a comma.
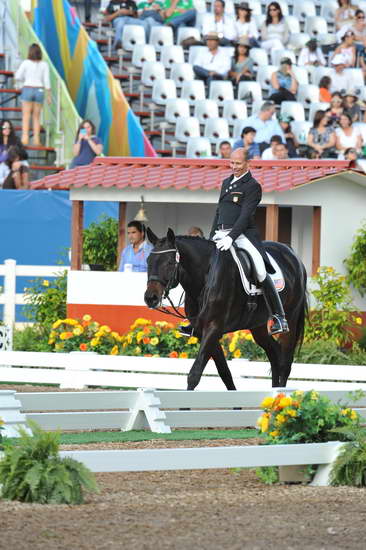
x,y
144,435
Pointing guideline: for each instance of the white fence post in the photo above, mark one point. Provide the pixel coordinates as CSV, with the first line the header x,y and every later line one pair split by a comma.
x,y
9,292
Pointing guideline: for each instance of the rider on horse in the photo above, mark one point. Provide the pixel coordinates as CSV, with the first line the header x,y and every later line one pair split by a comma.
x,y
234,222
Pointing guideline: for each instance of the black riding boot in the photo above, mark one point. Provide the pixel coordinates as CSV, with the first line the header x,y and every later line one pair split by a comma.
x,y
277,322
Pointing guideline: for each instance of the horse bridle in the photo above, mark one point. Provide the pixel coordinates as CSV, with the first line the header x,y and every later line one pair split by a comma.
x,y
172,283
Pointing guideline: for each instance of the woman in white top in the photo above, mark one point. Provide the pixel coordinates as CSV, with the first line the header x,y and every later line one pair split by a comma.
x,y
347,135
345,13
311,55
245,26
274,31
347,49
36,80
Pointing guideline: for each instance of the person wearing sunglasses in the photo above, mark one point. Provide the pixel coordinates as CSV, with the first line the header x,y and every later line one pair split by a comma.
x,y
347,49
358,27
274,31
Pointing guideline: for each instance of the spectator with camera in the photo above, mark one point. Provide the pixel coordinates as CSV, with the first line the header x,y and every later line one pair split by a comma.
x,y
311,55
284,83
87,145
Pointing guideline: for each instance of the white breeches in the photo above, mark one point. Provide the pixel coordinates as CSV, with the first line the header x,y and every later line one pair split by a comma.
x,y
243,242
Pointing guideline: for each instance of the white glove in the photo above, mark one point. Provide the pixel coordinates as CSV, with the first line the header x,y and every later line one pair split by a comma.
x,y
225,243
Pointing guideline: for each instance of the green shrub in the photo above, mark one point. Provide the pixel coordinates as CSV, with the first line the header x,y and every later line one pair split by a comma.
x,y
30,338
100,244
350,465
32,471
355,263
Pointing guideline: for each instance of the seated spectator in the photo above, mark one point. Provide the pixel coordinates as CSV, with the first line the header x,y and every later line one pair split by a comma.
x,y
265,125
340,80
351,105
311,55
8,138
335,110
151,11
135,254
347,49
322,137
221,24
242,65
324,93
345,13
121,13
246,27
347,135
269,153
280,152
225,149
351,155
358,26
274,31
291,141
211,63
87,145
179,13
17,177
248,143
195,232
283,82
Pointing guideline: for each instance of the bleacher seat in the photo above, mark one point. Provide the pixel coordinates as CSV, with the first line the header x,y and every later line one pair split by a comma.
x,y
175,108
181,72
193,52
131,36
298,41
152,71
142,53
315,26
205,109
221,90
234,110
187,32
303,9
161,36
256,7
361,126
301,74
307,94
295,109
170,55
216,129
264,74
163,90
300,129
193,90
357,77
293,23
318,74
259,56
249,91
277,55
187,127
238,128
328,9
314,107
198,147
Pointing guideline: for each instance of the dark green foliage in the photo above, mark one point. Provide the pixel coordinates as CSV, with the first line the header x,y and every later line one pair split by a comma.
x,y
356,261
328,352
30,338
46,301
32,471
100,242
350,466
268,474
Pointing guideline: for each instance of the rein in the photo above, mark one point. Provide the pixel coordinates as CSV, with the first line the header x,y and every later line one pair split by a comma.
x,y
172,283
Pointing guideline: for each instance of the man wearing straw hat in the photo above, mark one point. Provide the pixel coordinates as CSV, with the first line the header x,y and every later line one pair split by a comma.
x,y
211,63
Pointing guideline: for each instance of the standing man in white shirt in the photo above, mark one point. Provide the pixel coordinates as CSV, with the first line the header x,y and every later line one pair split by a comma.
x,y
223,24
211,63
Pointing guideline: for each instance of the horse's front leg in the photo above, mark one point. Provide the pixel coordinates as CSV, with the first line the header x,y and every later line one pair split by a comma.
x,y
209,341
222,367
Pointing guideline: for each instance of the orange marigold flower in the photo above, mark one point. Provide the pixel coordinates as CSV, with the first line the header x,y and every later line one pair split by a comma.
x,y
173,354
83,347
183,355
146,340
146,330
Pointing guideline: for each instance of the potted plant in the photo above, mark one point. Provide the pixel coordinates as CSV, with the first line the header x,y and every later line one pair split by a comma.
x,y
100,242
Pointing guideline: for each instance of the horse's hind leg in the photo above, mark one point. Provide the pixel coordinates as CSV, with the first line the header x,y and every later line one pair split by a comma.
x,y
222,367
273,351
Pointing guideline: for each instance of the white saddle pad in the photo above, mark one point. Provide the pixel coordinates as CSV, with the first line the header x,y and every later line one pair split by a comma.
x,y
250,288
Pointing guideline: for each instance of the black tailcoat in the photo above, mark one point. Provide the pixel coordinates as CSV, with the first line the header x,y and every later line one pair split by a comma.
x,y
236,208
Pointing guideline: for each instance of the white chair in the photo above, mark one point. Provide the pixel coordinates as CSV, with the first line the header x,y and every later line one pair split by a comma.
x,y
221,90
357,78
163,90
304,9
131,36
216,129
175,108
328,9
161,36
193,53
298,40
198,147
249,91
293,23
187,127
187,32
170,55
152,71
361,126
234,110
256,7
180,73
315,25
293,109
314,107
259,56
205,109
318,74
142,53
264,75
301,74
300,129
193,90
307,94
238,128
277,55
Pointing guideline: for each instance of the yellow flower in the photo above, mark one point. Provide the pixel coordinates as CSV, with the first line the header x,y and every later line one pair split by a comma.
x,y
249,337
71,322
137,350
45,282
94,342
177,334
115,335
154,341
358,321
263,422
105,328
314,396
353,415
161,323
51,341
53,334
237,353
232,346
87,317
291,412
192,340
114,350
129,338
285,402
267,402
280,419
64,335
57,323
275,433
183,355
77,331
139,336
1,422
298,393
59,346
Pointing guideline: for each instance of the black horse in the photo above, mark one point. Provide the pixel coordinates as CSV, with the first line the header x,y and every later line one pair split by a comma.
x,y
216,303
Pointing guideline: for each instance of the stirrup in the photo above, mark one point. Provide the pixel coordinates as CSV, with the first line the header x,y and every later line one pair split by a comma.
x,y
277,325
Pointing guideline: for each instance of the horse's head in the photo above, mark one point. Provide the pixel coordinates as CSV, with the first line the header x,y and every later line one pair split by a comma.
x,y
162,268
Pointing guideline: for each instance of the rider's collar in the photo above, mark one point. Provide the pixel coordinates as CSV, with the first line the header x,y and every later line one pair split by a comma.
x,y
238,178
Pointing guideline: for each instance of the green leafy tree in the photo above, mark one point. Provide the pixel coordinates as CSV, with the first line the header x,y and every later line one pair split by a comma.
x,y
100,242
356,261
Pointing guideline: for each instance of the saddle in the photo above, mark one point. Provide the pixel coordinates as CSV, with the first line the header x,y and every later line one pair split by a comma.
x,y
248,274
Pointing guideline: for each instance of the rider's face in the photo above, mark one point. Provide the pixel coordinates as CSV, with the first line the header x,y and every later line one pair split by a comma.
x,y
238,164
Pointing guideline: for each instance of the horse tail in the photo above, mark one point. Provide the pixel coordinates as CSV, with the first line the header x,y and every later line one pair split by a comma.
x,y
303,313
